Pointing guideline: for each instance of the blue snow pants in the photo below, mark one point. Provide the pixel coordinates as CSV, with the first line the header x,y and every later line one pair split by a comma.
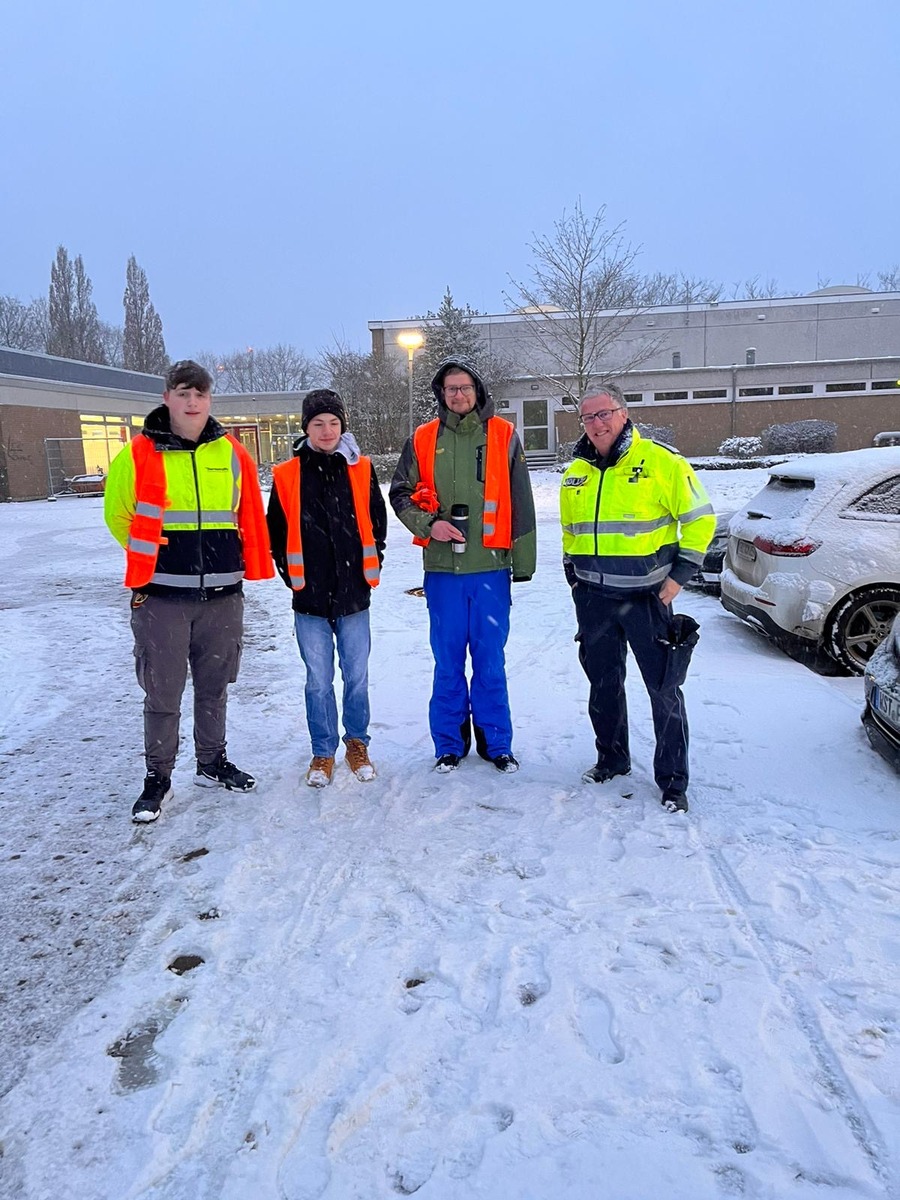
x,y
469,613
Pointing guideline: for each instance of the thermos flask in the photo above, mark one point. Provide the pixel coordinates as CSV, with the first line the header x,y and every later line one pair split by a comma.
x,y
459,516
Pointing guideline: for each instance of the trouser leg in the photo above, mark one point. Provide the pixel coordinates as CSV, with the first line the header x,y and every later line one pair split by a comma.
x,y
647,622
489,605
315,639
601,652
353,645
217,633
162,634
448,709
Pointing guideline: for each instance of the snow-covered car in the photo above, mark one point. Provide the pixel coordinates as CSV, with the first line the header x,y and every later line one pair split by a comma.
x,y
814,558
881,716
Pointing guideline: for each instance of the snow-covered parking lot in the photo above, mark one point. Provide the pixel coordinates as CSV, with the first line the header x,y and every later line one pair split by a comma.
x,y
476,985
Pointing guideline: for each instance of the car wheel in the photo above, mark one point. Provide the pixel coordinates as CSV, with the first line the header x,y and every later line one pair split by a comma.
x,y
859,624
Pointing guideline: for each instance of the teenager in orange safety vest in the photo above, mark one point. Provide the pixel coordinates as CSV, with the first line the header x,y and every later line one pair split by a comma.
x,y
467,469
327,523
183,500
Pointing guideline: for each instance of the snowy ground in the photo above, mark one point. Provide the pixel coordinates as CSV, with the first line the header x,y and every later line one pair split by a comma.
x,y
466,986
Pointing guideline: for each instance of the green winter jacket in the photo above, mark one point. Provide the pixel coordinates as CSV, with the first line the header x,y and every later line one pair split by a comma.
x,y
459,479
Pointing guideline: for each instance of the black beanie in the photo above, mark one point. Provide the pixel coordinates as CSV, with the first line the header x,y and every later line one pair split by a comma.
x,y
323,400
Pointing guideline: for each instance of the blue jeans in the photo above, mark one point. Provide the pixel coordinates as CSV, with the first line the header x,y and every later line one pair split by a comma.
x,y
316,637
469,613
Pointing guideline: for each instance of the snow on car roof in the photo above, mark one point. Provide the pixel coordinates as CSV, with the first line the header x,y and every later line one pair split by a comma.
x,y
871,463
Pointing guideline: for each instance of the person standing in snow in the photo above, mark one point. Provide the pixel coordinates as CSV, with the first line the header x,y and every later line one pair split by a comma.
x,y
327,522
468,464
636,522
183,500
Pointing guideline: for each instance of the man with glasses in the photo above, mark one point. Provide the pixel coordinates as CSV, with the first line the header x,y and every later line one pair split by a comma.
x,y
468,464
636,523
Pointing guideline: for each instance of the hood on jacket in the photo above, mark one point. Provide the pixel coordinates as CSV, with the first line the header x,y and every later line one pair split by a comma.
x,y
158,427
484,403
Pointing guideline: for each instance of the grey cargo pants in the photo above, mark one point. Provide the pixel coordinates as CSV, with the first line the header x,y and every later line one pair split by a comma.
x,y
170,635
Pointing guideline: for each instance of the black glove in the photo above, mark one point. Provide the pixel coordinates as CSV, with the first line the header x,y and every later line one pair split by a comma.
x,y
569,572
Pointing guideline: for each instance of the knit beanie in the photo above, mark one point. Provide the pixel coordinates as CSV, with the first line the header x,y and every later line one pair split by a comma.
x,y
323,400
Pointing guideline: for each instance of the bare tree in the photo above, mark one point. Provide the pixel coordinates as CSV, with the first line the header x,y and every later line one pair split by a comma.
x,y
672,289
74,324
112,340
756,289
18,328
374,390
144,348
889,280
584,271
278,368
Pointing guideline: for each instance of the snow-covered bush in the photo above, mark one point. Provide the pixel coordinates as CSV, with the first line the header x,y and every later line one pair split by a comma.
x,y
658,433
741,447
800,437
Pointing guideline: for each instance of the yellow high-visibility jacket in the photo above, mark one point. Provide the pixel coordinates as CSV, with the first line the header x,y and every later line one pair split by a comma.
x,y
633,522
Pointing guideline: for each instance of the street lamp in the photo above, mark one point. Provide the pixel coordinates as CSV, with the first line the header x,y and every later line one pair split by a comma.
x,y
411,342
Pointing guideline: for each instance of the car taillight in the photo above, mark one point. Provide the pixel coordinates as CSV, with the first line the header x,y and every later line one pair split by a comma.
x,y
799,548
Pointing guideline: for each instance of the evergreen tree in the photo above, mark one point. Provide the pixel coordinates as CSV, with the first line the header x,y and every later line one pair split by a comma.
x,y
74,327
144,348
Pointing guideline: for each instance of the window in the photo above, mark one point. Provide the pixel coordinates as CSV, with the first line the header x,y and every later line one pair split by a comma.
x,y
670,395
782,498
633,398
796,389
710,394
883,500
885,385
845,387
757,391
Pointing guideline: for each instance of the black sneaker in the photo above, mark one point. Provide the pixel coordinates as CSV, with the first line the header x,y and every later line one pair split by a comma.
x,y
600,774
223,773
506,763
674,802
447,762
157,788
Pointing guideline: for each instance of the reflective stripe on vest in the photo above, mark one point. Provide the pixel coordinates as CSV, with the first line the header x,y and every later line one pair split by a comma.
x,y
286,478
496,528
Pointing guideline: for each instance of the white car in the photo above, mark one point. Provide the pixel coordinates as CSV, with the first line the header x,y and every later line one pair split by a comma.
x,y
814,558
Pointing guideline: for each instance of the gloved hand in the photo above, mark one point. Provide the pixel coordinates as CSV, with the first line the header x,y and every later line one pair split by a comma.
x,y
569,572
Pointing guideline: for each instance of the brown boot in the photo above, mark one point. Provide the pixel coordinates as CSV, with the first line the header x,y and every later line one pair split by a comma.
x,y
320,771
358,760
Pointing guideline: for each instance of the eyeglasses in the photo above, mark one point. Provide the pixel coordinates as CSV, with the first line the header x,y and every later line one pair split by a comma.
x,y
602,414
464,389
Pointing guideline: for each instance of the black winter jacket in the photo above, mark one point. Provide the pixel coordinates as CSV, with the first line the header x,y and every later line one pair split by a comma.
x,y
332,550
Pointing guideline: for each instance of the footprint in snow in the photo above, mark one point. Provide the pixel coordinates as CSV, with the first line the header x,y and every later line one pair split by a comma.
x,y
593,1020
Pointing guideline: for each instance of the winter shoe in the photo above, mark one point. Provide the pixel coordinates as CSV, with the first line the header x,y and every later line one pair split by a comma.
x,y
157,788
447,763
222,773
506,763
601,774
358,760
675,802
320,770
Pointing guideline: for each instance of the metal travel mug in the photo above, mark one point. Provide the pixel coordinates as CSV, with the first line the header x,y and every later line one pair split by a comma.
x,y
459,516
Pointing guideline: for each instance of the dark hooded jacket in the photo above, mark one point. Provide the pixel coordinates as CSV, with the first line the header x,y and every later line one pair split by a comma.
x,y
332,550
459,477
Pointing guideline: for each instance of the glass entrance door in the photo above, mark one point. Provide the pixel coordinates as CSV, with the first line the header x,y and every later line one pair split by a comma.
x,y
535,425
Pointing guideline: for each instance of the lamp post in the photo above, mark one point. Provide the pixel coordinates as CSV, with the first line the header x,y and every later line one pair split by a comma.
x,y
411,342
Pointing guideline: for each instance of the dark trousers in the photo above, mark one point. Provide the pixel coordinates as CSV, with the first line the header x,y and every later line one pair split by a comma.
x,y
169,636
607,624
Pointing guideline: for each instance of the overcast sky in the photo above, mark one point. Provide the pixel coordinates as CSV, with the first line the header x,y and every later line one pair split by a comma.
x,y
287,171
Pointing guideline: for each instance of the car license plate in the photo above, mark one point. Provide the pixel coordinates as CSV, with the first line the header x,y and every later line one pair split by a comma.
x,y
747,551
887,706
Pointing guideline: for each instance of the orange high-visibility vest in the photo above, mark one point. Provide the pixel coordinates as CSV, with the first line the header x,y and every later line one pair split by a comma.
x,y
286,478
497,519
146,532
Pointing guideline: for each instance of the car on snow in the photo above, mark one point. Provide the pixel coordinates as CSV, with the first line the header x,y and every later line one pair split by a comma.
x,y
814,558
707,577
881,716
